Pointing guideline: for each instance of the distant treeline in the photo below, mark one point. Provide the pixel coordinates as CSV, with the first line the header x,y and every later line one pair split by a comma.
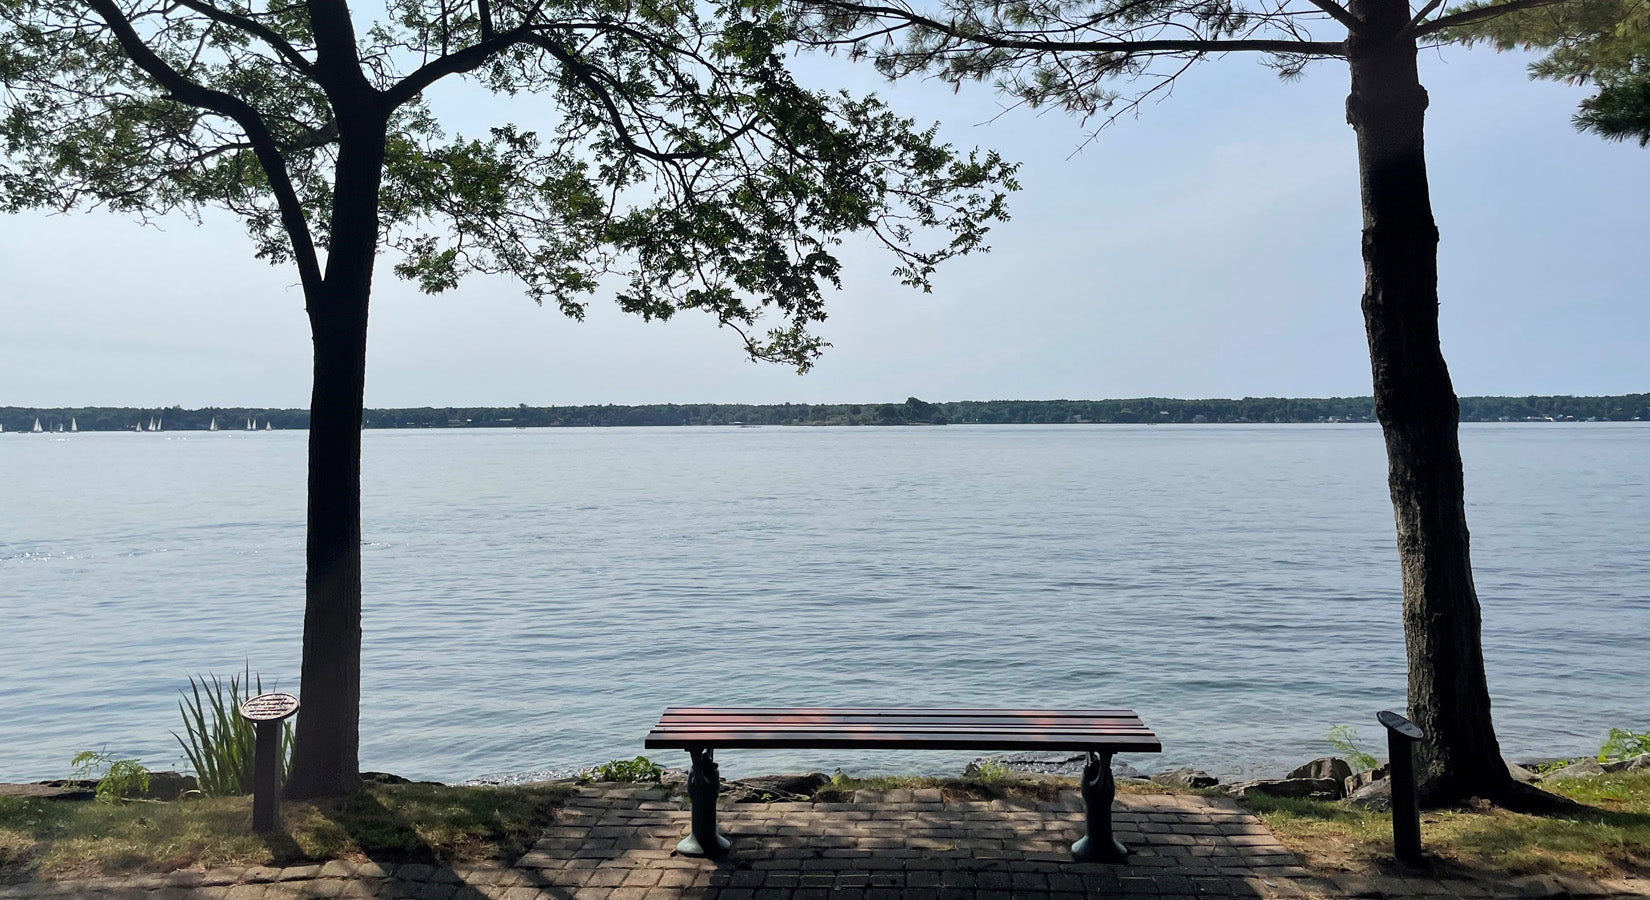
x,y
1628,407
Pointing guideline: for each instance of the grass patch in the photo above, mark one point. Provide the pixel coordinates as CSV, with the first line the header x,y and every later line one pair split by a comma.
x,y
1610,839
429,823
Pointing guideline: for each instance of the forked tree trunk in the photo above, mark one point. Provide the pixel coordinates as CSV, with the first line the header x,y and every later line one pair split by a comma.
x,y
1419,415
325,757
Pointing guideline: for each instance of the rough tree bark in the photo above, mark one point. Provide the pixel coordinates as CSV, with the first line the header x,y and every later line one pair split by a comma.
x,y
1419,415
326,760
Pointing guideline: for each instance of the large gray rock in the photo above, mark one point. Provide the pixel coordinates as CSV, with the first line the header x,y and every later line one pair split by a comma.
x,y
1070,764
1031,763
1632,763
1521,774
1325,767
775,788
1314,788
1357,781
1186,776
1580,768
60,789
1375,796
169,785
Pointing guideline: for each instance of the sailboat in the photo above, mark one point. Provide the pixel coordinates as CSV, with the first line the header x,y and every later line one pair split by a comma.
x,y
37,429
138,427
248,424
267,426
59,429
74,426
151,423
213,426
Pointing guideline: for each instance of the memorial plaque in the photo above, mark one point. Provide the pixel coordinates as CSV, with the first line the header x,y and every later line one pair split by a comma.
x,y
269,707
1395,722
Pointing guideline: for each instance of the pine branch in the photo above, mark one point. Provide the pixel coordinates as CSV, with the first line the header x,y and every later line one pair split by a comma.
x,y
1480,14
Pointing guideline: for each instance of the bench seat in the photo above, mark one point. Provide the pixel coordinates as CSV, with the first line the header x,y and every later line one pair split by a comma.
x,y
701,730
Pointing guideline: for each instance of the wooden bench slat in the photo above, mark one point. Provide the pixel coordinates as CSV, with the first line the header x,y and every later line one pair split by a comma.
x,y
906,741
862,729
919,725
896,711
845,717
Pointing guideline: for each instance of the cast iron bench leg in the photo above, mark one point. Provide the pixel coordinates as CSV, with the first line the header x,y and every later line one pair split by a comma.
x,y
1098,792
703,784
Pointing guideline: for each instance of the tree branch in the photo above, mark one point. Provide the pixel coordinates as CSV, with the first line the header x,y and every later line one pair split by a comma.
x,y
256,29
269,156
466,60
1422,15
585,73
1191,45
337,58
1339,13
1480,14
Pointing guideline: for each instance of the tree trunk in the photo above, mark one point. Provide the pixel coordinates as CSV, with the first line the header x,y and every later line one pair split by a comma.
x,y
1417,408
325,755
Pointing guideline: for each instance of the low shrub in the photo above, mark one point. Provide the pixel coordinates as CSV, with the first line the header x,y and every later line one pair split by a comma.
x,y
1624,744
640,770
119,778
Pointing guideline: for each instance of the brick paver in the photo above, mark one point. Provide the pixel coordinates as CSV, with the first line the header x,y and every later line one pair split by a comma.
x,y
616,843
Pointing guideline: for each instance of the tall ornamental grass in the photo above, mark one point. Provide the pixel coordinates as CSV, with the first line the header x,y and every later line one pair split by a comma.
x,y
219,742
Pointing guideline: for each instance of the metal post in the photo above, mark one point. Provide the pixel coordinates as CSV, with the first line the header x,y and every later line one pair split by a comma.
x,y
1099,789
1401,735
703,785
266,712
266,789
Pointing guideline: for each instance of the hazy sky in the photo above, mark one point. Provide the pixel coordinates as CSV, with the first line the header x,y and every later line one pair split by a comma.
x,y
1208,248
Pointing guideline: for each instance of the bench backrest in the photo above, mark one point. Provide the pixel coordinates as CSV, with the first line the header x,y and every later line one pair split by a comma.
x,y
1105,730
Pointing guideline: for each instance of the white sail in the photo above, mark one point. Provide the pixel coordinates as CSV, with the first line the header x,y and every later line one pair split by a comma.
x,y
267,426
213,426
37,428
73,424
248,424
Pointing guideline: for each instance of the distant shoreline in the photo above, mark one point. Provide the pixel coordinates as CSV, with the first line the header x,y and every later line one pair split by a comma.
x,y
1143,410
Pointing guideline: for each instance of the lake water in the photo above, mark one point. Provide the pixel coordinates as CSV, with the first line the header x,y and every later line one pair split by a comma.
x,y
533,598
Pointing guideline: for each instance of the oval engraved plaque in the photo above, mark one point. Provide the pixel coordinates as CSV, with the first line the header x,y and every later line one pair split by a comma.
x,y
269,707
1399,724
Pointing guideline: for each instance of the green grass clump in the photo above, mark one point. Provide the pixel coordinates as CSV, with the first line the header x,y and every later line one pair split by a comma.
x,y
429,823
1611,837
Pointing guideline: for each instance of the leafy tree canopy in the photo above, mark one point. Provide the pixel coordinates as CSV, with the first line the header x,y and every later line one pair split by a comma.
x,y
684,163
1603,42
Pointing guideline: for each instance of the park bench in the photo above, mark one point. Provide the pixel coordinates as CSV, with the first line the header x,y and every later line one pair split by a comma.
x,y
702,730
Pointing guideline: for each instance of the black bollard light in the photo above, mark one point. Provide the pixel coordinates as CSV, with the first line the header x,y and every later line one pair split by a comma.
x,y
1401,735
266,712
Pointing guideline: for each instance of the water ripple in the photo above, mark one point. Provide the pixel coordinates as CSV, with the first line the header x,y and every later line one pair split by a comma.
x,y
1239,587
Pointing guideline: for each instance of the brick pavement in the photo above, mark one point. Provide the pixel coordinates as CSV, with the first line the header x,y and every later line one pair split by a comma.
x,y
615,843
